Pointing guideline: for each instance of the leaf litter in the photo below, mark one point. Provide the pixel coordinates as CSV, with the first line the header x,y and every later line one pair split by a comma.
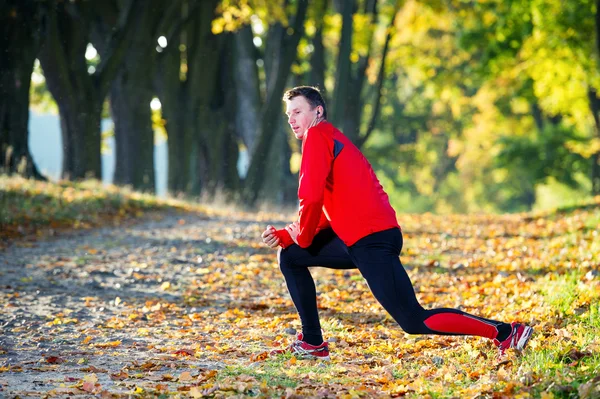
x,y
182,305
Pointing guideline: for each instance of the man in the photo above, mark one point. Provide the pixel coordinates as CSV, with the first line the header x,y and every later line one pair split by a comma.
x,y
346,222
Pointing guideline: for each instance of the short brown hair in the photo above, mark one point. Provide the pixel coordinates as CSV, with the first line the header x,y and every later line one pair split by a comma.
x,y
312,95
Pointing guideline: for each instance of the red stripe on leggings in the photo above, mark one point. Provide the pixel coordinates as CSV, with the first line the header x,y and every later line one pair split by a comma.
x,y
460,324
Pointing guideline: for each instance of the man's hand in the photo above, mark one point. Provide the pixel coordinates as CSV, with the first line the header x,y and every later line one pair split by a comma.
x,y
269,237
294,230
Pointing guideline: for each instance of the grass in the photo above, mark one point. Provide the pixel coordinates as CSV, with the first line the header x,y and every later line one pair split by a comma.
x,y
571,358
34,207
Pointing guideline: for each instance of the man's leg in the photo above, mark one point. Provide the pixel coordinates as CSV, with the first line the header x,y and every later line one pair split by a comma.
x,y
377,258
328,251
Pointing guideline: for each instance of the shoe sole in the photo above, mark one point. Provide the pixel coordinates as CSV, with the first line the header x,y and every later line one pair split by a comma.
x,y
524,338
299,355
310,357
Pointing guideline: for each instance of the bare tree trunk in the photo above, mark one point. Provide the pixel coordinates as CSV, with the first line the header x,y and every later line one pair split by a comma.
x,y
380,80
79,93
20,25
595,170
81,136
248,99
218,142
273,106
134,137
342,77
131,94
595,107
350,121
186,83
317,62
179,123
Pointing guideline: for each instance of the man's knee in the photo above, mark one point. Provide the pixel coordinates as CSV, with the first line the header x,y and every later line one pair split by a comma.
x,y
410,319
283,258
411,328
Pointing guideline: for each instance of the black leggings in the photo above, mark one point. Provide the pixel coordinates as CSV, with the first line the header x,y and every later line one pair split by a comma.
x,y
377,258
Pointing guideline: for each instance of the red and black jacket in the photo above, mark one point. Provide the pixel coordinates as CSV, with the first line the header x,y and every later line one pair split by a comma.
x,y
338,188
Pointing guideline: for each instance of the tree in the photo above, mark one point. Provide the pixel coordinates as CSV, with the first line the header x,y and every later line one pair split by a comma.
x,y
544,47
196,103
20,39
283,43
132,91
356,54
78,89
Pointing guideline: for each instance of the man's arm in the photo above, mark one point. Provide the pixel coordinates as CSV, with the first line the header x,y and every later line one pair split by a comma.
x,y
314,169
323,222
285,239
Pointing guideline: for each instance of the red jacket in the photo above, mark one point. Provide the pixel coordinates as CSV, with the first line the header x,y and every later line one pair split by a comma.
x,y
338,188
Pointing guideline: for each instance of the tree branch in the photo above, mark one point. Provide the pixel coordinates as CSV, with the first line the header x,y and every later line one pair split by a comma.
x,y
182,23
358,78
380,79
117,47
54,60
171,14
288,50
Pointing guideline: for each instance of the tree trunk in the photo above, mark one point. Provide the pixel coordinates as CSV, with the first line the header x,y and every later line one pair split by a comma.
x,y
20,22
350,121
79,93
217,139
273,107
228,181
342,75
246,81
595,170
176,111
81,136
381,76
595,103
66,72
317,61
596,173
179,125
134,137
131,94
186,85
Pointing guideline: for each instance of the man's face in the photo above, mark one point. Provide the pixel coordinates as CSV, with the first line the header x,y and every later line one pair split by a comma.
x,y
300,115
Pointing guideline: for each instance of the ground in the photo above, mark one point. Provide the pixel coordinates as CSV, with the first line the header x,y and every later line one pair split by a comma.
x,y
181,304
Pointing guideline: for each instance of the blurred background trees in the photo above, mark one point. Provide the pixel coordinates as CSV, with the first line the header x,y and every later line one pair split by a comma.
x,y
460,106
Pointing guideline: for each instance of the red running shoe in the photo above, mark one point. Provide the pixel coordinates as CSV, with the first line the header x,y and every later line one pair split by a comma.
x,y
517,339
304,350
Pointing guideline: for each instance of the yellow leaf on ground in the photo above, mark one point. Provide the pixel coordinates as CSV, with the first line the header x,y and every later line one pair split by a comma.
x,y
195,392
111,344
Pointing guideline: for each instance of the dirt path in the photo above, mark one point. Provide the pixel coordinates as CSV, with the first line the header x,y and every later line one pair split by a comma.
x,y
85,312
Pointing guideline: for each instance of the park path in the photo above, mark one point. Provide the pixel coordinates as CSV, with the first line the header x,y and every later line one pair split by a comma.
x,y
99,305
188,305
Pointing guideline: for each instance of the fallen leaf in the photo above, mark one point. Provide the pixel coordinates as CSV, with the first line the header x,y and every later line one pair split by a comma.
x,y
54,360
123,375
111,344
186,352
